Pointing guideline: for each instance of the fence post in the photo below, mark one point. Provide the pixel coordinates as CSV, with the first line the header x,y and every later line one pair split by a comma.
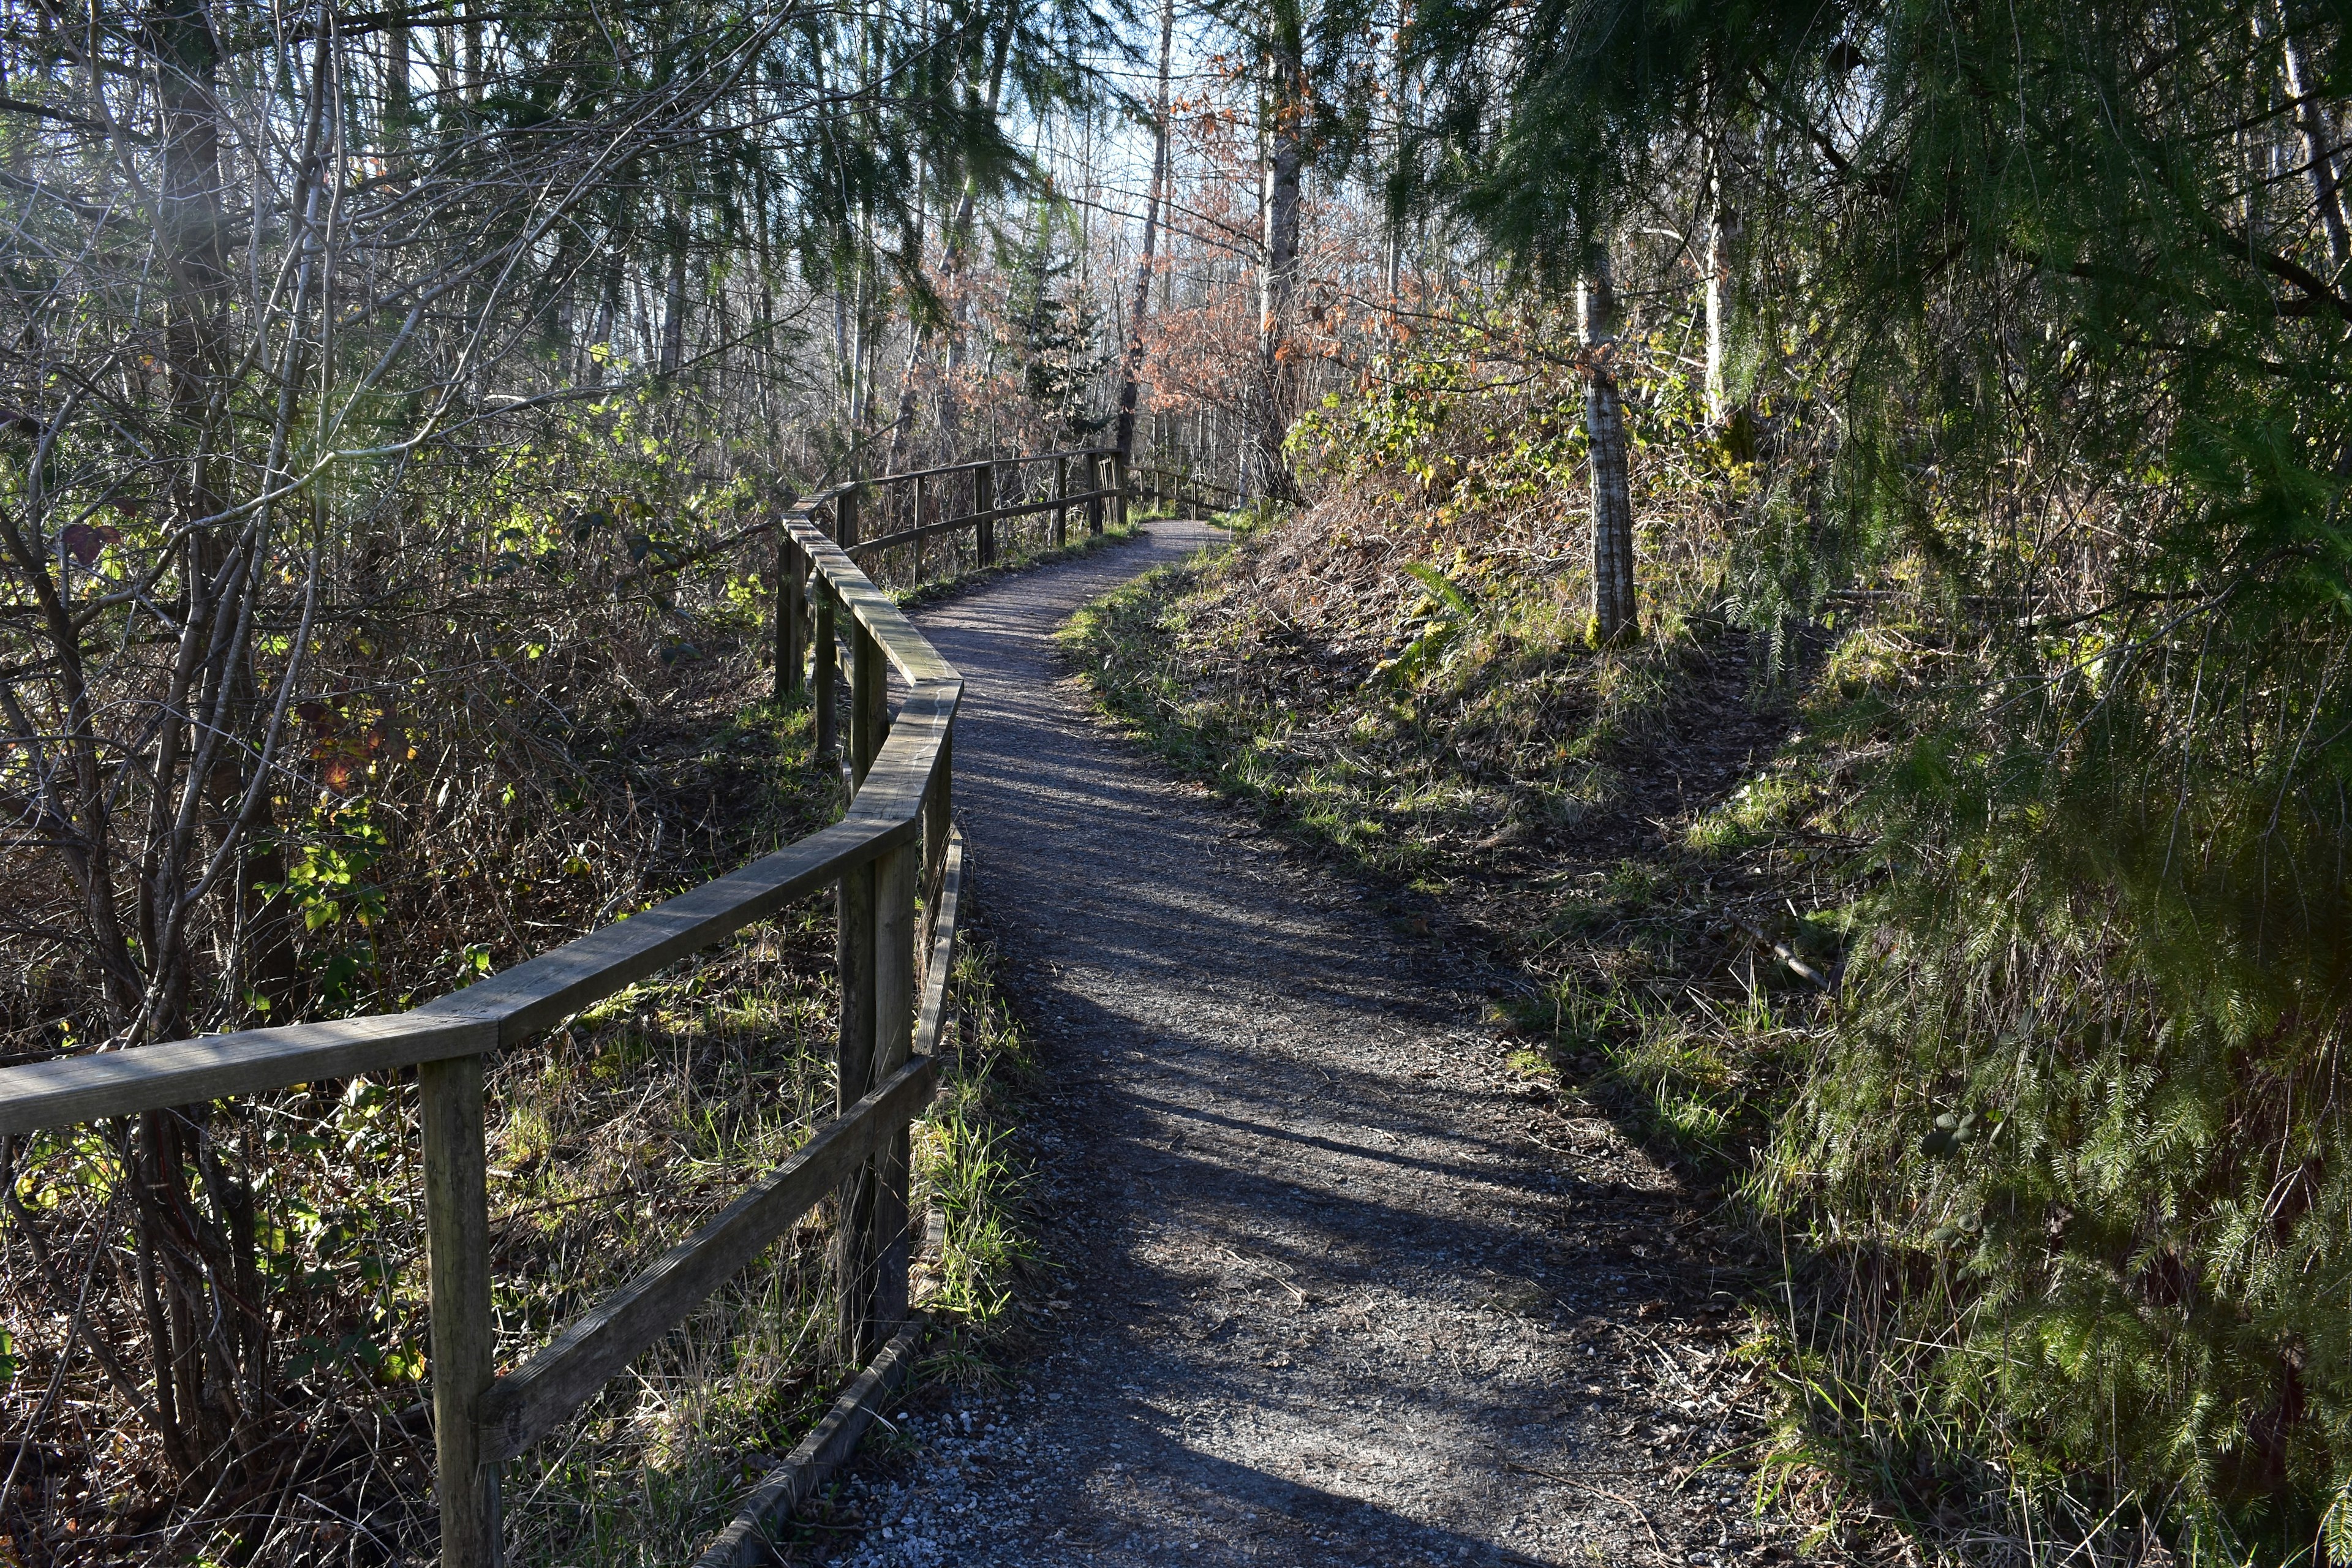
x,y
922,495
845,517
792,613
458,1265
869,701
826,673
983,500
894,1033
1095,474
853,1247
1062,500
935,814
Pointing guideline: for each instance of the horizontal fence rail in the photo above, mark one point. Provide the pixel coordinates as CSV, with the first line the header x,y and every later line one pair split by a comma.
x,y
1182,487
893,840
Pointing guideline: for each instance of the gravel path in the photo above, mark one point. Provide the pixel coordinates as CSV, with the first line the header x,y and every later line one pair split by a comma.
x,y
1335,1286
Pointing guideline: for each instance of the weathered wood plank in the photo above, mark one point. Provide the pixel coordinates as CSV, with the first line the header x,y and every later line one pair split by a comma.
x,y
983,462
854,1076
901,778
895,876
871,608
536,994
937,818
939,971
507,1007
458,1263
869,703
185,1072
754,1536
525,1405
983,513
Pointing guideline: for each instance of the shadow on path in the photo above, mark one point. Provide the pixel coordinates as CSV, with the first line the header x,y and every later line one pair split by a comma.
x,y
1325,1297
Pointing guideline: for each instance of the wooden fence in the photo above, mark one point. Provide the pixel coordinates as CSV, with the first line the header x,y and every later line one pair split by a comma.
x,y
896,831
1100,473
1162,485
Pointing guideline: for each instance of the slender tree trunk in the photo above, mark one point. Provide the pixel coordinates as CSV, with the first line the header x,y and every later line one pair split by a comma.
x,y
902,428
1131,372
958,246
1284,166
399,104
1723,232
474,73
2318,134
1615,616
208,1344
673,330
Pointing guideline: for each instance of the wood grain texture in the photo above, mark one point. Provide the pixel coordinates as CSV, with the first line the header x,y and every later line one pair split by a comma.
x,y
528,1402
759,1526
188,1072
535,995
853,1075
895,877
869,703
937,820
939,971
458,1265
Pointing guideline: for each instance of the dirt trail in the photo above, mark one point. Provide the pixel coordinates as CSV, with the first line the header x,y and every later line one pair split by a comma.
x,y
1337,1289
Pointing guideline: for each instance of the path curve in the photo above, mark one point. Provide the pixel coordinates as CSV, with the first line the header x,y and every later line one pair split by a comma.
x,y
1326,1300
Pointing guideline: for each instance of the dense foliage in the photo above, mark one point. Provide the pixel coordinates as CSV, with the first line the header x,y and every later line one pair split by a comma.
x,y
2042,327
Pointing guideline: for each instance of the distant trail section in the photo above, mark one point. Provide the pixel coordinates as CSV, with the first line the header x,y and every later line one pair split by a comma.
x,y
1338,1288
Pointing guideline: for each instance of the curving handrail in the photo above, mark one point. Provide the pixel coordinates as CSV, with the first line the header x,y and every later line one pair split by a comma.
x,y
534,995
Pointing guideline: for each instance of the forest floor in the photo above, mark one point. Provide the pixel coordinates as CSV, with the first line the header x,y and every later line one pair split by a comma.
x,y
1332,1280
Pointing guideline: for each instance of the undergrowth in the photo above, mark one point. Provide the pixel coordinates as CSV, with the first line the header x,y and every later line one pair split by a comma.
x,y
609,1140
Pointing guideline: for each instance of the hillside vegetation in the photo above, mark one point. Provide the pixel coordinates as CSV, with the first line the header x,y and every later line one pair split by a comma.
x,y
1967,898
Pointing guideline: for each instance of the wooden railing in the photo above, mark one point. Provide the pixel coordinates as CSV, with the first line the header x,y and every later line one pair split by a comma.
x,y
912,508
1161,485
896,830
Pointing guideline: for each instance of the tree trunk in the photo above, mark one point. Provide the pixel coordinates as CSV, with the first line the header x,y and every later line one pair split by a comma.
x,y
902,428
673,336
1722,239
2312,120
1131,372
1284,166
208,1341
399,106
957,245
1615,616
